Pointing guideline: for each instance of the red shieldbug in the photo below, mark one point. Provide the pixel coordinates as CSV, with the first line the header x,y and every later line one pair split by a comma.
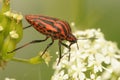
x,y
53,28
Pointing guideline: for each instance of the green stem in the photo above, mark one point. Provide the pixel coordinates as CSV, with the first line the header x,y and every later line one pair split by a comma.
x,y
20,60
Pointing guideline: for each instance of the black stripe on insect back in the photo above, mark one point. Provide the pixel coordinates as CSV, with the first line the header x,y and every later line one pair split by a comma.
x,y
58,22
63,28
55,20
67,26
50,18
51,24
38,24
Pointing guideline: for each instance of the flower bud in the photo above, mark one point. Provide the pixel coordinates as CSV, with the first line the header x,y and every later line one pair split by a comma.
x,y
1,28
11,34
14,35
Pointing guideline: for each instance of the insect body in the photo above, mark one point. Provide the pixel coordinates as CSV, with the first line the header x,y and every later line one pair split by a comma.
x,y
52,28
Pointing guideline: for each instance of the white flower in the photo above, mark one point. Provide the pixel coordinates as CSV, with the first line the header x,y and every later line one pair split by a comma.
x,y
98,78
92,76
95,57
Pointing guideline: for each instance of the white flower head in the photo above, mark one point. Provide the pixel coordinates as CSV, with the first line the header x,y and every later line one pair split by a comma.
x,y
94,57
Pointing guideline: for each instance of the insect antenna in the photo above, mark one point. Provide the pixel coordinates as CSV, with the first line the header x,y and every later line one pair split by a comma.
x,y
77,45
91,38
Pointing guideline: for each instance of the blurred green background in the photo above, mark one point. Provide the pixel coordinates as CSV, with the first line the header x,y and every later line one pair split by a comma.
x,y
103,14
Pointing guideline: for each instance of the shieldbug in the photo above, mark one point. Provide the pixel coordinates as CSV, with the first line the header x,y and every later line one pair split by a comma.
x,y
53,28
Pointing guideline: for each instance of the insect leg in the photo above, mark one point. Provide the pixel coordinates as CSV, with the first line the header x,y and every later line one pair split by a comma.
x,y
47,47
60,56
27,26
67,46
34,41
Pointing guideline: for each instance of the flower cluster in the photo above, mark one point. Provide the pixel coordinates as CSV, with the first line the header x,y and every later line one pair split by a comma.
x,y
96,59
